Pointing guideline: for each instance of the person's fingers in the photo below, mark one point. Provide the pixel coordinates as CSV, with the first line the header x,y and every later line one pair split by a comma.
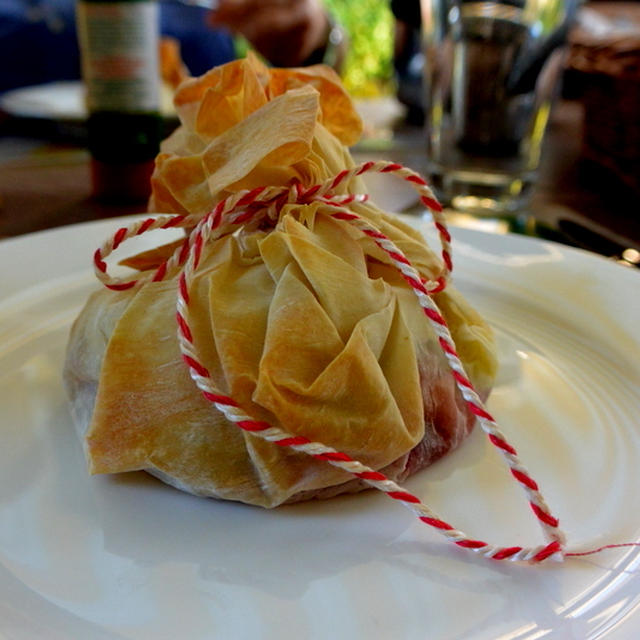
x,y
284,31
281,40
234,13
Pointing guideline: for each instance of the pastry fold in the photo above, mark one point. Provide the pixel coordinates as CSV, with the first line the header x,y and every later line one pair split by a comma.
x,y
305,322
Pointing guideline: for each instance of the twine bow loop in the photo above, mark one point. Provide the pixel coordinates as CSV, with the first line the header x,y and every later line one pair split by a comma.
x,y
261,207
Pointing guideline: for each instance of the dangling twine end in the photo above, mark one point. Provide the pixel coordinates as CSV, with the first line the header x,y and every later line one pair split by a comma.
x,y
577,554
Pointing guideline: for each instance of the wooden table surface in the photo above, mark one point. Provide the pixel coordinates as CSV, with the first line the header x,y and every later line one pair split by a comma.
x,y
49,185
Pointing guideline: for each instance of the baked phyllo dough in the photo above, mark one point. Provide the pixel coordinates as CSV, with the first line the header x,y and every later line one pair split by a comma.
x,y
304,322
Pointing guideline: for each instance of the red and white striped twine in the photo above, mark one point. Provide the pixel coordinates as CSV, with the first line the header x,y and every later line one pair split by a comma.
x,y
250,208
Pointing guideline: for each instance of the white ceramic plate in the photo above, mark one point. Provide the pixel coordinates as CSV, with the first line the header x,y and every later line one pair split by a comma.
x,y
60,101
128,557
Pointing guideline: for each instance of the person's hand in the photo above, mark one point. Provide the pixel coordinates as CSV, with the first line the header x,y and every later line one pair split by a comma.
x,y
286,32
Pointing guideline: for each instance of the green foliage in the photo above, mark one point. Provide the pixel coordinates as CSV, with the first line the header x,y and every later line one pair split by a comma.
x,y
368,69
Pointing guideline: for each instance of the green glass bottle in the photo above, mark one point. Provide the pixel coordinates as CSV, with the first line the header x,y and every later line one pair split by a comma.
x,y
119,52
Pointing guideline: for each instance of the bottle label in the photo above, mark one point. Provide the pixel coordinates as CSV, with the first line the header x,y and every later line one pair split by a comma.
x,y
120,59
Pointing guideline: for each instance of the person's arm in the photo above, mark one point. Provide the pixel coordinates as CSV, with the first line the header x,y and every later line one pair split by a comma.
x,y
288,33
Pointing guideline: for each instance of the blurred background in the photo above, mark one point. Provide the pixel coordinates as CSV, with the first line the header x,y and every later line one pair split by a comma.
x,y
368,70
590,171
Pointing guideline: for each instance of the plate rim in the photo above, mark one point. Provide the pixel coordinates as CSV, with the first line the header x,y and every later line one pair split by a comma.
x,y
110,225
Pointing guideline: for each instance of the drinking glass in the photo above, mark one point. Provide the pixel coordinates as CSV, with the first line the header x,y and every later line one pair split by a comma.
x,y
491,71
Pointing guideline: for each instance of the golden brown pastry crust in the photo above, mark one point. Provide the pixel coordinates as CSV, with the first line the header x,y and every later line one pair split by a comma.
x,y
301,337
306,325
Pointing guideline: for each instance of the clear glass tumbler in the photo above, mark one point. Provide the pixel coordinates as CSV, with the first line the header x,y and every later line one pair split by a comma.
x,y
491,73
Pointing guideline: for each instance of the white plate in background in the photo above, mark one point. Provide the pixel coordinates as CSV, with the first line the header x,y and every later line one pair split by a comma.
x,y
61,101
